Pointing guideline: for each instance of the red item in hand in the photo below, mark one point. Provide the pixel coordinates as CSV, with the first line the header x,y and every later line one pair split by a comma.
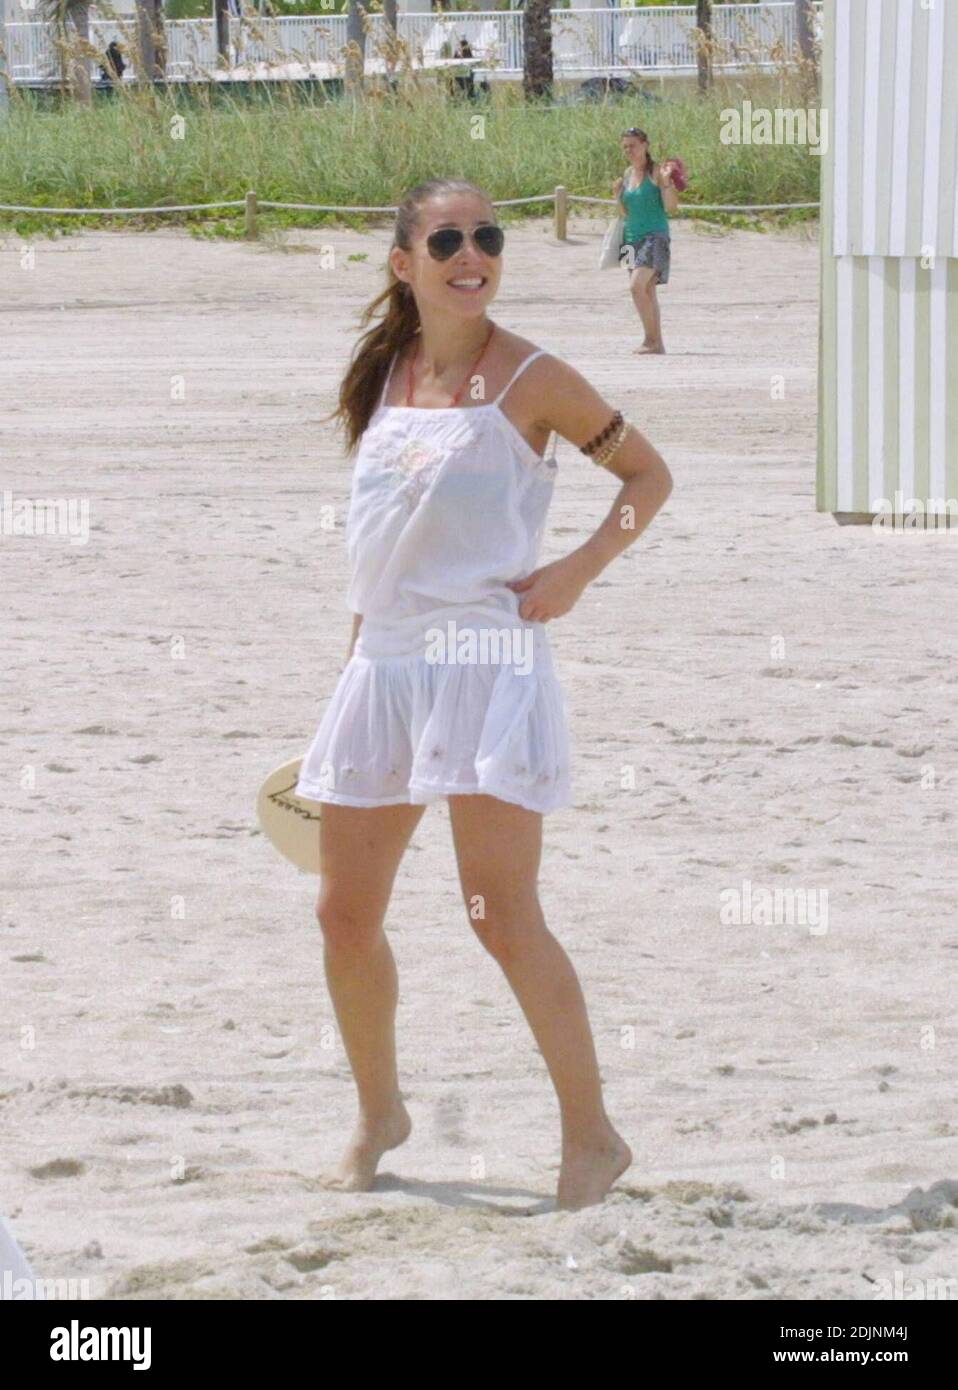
x,y
680,178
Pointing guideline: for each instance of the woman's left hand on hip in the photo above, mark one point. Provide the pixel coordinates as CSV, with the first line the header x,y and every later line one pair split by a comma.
x,y
551,591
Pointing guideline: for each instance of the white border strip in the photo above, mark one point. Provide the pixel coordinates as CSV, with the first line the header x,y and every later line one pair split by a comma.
x,y
876,379
869,230
938,382
844,385
841,131
907,311
900,153
933,108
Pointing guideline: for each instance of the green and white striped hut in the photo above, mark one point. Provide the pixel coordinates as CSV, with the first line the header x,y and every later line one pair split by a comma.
x,y
888,360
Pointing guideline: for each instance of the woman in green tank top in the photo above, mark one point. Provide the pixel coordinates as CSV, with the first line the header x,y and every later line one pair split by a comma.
x,y
647,197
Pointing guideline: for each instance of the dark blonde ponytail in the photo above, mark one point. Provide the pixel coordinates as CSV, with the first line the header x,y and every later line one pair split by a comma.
x,y
366,375
364,380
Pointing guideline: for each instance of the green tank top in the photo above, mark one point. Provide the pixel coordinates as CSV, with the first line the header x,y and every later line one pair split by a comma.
x,y
644,211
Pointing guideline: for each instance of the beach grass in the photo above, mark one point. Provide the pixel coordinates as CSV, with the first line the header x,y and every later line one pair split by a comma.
x,y
144,147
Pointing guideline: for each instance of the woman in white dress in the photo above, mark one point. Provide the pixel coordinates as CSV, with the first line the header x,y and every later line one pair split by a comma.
x,y
449,688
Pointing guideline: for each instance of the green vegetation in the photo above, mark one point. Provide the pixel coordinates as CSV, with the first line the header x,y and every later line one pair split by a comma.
x,y
295,146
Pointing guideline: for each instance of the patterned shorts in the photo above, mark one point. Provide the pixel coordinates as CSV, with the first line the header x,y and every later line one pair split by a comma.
x,y
654,250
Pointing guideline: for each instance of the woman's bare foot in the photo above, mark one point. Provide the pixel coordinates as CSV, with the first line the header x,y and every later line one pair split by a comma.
x,y
657,348
371,1139
587,1173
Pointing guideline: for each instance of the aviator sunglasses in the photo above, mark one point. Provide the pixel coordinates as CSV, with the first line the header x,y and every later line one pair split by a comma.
x,y
488,238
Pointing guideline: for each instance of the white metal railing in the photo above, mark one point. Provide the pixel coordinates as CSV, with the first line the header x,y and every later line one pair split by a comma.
x,y
656,40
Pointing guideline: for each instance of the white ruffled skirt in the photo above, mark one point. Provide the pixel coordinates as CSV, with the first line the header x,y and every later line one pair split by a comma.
x,y
402,728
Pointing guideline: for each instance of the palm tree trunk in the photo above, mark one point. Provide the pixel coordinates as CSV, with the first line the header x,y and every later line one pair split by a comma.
x,y
537,48
390,47
78,20
703,21
159,41
4,68
355,50
806,41
151,41
221,21
146,56
70,23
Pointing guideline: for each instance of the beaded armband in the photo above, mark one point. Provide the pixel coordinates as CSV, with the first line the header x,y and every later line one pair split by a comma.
x,y
612,445
594,445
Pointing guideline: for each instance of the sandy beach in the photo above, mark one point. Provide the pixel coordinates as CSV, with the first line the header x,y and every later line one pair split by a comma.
x,y
759,700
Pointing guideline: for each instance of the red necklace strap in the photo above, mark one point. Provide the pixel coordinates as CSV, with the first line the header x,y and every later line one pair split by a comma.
x,y
410,383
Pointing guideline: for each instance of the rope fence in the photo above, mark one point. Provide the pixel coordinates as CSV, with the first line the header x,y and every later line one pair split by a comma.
x,y
561,198
121,212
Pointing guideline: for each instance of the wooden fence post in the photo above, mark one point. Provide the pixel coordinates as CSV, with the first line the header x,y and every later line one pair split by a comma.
x,y
251,232
561,212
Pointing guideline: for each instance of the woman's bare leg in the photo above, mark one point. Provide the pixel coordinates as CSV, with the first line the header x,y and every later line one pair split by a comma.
x,y
498,847
656,311
642,287
360,851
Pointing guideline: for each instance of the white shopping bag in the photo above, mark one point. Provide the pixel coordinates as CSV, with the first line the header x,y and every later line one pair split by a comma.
x,y
611,244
